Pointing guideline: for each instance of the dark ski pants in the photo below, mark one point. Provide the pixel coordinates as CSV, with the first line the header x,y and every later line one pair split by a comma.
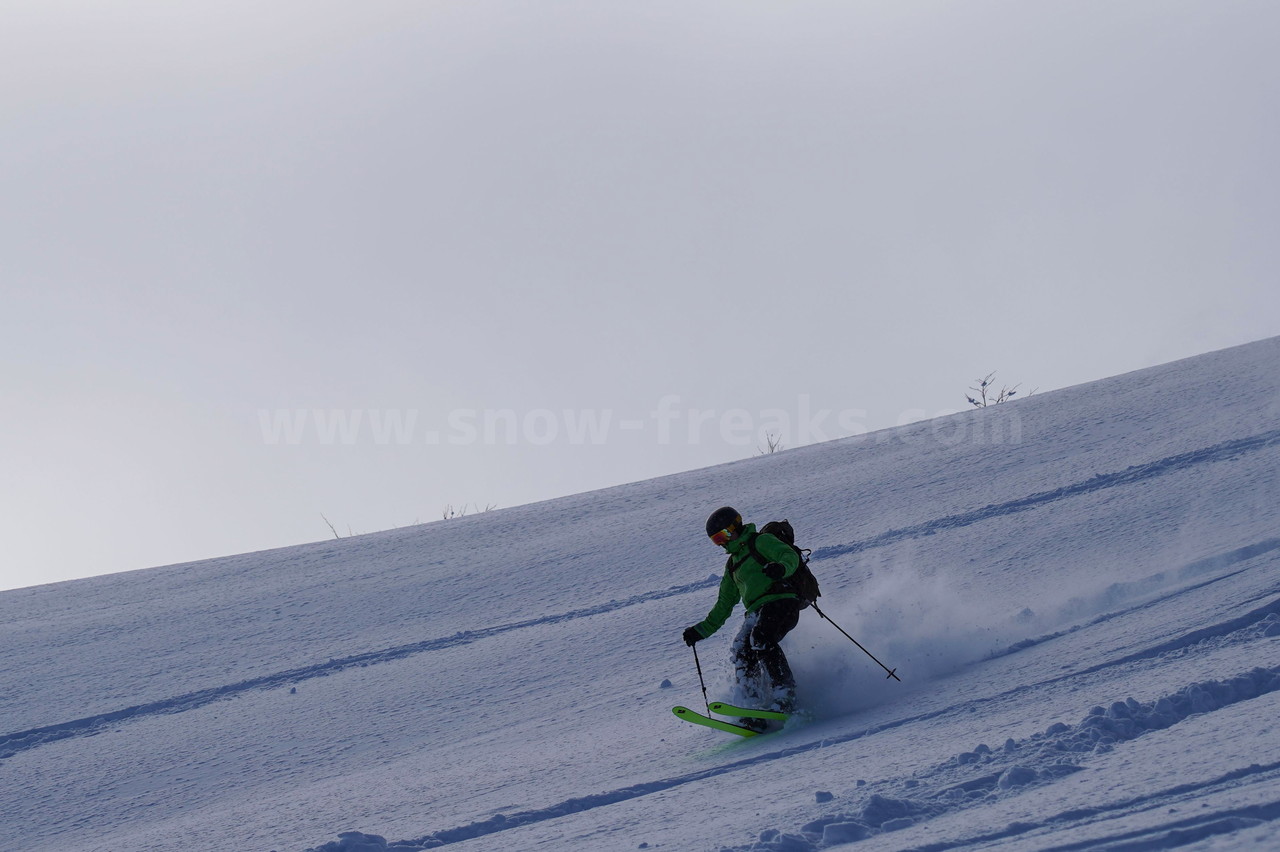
x,y
757,656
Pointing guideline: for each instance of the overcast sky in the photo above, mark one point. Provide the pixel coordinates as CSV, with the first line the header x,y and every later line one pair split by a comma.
x,y
261,262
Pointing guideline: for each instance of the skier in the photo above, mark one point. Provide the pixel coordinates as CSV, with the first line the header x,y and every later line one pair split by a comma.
x,y
757,574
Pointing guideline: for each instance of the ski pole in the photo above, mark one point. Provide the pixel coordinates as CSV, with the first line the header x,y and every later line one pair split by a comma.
x,y
893,673
700,680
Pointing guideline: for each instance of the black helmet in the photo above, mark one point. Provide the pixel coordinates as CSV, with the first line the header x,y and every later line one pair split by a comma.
x,y
724,518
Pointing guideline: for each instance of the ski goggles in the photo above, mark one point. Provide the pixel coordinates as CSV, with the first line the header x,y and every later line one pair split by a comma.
x,y
722,538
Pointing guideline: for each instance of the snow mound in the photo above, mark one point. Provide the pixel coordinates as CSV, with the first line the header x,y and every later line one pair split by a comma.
x,y
1015,767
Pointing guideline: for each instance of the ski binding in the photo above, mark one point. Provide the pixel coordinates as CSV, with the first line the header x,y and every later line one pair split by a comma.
x,y
746,712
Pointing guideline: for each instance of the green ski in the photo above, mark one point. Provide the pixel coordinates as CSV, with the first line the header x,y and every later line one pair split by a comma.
x,y
746,712
719,724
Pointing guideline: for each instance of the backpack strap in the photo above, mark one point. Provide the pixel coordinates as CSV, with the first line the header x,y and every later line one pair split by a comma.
x,y
731,568
787,584
755,554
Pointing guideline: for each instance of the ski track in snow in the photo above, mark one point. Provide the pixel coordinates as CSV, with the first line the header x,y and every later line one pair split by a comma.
x,y
1166,836
1121,591
13,743
1013,768
1225,451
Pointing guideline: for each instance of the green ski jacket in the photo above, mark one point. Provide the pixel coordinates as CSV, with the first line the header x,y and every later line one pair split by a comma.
x,y
745,579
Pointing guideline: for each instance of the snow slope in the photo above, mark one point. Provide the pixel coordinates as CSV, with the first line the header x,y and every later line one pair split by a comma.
x,y
1079,590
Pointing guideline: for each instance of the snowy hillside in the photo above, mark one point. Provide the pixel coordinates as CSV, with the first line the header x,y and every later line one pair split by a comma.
x,y
1080,591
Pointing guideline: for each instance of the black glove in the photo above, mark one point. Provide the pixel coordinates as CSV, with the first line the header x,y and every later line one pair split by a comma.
x,y
774,571
692,636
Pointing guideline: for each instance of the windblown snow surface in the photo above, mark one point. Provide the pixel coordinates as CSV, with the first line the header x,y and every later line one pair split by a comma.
x,y
1080,591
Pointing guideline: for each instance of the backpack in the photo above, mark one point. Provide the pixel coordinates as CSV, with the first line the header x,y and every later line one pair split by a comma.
x,y
802,582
